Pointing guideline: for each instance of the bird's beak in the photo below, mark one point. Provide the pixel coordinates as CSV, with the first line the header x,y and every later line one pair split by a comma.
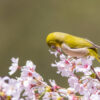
x,y
57,48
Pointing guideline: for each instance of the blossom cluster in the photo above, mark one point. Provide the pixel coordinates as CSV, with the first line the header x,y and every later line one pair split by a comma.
x,y
83,80
82,77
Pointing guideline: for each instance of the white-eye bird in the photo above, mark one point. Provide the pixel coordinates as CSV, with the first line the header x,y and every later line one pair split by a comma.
x,y
72,45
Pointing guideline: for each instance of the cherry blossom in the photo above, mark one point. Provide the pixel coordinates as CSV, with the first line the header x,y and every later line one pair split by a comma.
x,y
83,80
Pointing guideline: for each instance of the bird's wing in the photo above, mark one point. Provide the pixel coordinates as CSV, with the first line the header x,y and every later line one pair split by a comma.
x,y
77,42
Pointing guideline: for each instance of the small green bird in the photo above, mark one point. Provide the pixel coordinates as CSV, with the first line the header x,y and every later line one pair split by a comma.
x,y
72,45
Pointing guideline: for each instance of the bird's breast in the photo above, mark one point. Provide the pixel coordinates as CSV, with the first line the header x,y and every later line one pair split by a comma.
x,y
79,52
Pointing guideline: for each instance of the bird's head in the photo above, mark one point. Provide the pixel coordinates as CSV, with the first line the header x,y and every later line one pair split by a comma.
x,y
55,39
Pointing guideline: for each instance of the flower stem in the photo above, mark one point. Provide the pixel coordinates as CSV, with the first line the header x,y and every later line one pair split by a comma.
x,y
95,73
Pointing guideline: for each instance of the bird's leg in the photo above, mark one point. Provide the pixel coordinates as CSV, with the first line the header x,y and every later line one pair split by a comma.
x,y
77,52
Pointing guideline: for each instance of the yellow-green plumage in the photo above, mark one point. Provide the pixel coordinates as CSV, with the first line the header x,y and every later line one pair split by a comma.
x,y
94,54
74,42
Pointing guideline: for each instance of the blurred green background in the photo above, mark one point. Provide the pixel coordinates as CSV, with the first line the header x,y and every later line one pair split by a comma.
x,y
24,25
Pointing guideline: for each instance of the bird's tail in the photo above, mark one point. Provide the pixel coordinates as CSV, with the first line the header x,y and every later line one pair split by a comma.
x,y
94,53
96,46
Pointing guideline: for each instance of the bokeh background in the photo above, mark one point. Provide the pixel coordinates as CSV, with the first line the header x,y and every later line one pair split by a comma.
x,y
24,25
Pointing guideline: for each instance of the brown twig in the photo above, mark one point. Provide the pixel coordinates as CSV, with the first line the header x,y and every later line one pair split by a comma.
x,y
95,73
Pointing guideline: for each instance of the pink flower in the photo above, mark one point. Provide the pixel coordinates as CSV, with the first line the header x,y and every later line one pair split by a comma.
x,y
13,68
73,81
83,64
54,52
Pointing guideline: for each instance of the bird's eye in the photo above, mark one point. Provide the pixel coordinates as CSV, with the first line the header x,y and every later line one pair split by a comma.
x,y
53,47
